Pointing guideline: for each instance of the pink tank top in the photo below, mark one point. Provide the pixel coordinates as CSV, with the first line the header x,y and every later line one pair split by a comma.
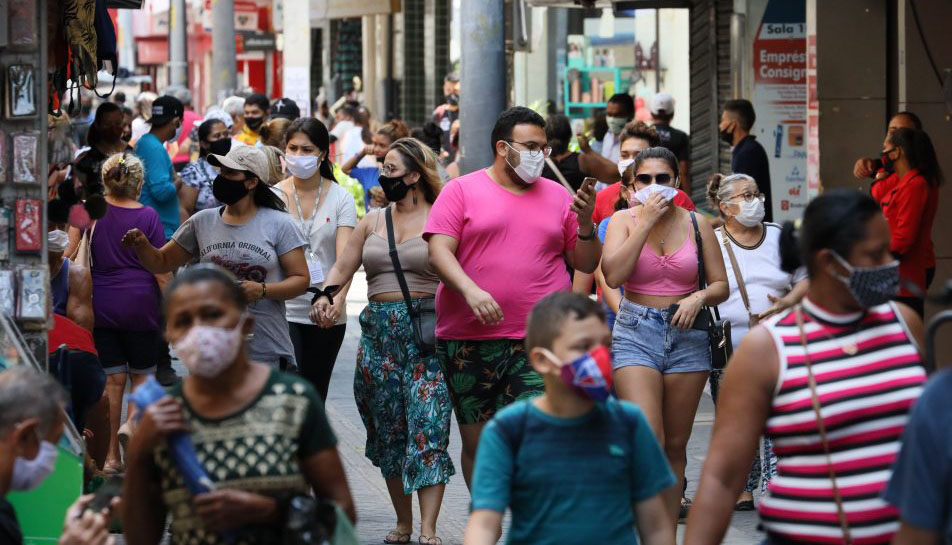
x,y
665,275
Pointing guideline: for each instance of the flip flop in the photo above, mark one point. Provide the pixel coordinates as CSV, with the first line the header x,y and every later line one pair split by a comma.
x,y
746,505
425,540
397,538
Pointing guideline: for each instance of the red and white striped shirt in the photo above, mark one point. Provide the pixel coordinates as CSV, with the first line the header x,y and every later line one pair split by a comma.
x,y
868,374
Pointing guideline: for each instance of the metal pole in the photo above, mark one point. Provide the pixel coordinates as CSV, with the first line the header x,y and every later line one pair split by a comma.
x,y
483,78
178,32
224,71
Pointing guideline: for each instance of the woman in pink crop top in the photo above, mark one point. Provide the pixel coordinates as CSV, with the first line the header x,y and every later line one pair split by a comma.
x,y
400,391
660,362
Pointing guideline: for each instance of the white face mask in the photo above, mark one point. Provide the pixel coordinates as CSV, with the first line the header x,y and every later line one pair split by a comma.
x,y
530,167
751,213
208,350
302,167
616,124
666,191
624,164
29,474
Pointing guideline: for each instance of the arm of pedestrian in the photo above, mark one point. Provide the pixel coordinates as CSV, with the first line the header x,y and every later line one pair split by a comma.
x,y
74,236
914,327
624,241
586,253
912,535
738,425
779,304
296,277
142,510
684,176
325,473
79,305
582,283
593,164
442,251
611,296
717,290
156,260
188,196
484,527
653,522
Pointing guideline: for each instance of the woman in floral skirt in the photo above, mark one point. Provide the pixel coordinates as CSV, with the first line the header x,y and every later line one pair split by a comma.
x,y
400,390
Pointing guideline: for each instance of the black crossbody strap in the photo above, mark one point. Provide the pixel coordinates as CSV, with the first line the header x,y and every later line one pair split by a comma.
x,y
397,269
701,274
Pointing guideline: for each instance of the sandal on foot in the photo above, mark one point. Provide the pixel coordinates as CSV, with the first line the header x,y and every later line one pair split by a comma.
x,y
424,540
397,538
746,505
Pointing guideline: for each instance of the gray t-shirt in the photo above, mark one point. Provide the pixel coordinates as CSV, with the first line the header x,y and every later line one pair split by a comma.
x,y
251,252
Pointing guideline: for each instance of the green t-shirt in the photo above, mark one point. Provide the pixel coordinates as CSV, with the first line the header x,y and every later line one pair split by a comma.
x,y
257,449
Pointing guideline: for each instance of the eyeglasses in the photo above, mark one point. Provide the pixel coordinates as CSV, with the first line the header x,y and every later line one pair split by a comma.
x,y
646,179
532,148
387,170
749,197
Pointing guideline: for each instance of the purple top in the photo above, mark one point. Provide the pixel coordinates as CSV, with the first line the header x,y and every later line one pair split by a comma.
x,y
125,294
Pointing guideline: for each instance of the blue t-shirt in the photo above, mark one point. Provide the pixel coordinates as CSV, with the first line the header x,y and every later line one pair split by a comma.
x,y
569,480
921,484
158,191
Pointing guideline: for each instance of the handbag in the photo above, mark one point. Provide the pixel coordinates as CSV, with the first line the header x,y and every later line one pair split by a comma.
x,y
718,331
84,252
821,427
752,319
423,316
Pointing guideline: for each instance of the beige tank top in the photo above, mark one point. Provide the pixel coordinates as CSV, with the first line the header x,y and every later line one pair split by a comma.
x,y
381,277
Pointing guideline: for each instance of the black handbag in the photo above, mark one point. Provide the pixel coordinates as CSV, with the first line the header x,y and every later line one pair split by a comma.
x,y
709,319
423,315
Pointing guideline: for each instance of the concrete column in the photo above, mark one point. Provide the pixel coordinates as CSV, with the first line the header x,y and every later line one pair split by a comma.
x,y
483,73
178,32
368,26
382,65
297,54
224,74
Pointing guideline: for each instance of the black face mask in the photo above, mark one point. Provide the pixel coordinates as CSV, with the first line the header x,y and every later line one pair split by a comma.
x,y
254,123
394,189
727,137
220,147
453,99
228,191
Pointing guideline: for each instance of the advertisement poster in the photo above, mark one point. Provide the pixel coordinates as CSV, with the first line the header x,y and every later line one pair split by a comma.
x,y
813,108
780,100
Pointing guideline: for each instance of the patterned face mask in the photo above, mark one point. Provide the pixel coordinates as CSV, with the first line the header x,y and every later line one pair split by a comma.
x,y
207,350
870,286
589,375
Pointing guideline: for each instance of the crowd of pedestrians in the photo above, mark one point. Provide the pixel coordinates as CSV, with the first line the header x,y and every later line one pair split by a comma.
x,y
568,304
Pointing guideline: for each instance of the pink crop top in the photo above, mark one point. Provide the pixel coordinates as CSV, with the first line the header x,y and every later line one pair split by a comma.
x,y
665,275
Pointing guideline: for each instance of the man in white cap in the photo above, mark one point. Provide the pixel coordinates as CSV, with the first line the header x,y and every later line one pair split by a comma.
x,y
71,285
662,112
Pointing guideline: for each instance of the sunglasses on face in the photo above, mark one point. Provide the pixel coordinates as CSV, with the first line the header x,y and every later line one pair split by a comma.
x,y
646,179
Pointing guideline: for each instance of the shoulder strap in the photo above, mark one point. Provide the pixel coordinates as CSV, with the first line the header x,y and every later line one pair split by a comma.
x,y
821,427
397,269
558,174
737,275
701,274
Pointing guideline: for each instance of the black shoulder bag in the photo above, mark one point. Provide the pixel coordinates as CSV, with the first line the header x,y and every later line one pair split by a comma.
x,y
423,317
718,331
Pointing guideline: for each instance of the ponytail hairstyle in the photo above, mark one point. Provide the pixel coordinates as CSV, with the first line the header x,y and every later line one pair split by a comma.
x,y
123,175
316,132
836,220
917,146
720,187
627,177
394,130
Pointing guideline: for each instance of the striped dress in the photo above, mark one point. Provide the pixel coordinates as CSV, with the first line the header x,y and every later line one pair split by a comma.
x,y
868,374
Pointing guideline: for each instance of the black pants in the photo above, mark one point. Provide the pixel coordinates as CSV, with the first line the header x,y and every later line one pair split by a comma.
x,y
315,350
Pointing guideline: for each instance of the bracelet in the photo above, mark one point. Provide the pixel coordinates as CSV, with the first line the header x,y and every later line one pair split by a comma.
x,y
264,290
586,238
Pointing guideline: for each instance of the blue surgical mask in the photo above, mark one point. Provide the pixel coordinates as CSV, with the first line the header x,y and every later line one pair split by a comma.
x,y
29,474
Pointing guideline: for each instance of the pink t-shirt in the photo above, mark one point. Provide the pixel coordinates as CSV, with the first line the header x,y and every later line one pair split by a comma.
x,y
511,246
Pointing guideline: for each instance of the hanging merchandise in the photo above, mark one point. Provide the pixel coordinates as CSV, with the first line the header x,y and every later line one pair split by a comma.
x,y
106,49
29,226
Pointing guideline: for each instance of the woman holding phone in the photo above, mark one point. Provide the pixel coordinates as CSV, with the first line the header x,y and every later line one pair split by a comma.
x,y
651,250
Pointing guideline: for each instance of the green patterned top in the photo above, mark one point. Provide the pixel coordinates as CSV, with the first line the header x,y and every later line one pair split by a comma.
x,y
257,449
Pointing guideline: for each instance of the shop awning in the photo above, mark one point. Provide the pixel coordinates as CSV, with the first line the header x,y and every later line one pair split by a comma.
x,y
342,9
152,50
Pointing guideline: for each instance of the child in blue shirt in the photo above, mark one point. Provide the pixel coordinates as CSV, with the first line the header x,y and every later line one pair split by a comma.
x,y
571,470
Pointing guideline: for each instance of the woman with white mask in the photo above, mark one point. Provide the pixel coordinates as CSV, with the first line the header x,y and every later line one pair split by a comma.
x,y
759,288
260,435
326,215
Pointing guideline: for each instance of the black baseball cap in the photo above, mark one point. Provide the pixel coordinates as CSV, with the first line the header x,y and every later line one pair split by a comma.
x,y
165,109
286,108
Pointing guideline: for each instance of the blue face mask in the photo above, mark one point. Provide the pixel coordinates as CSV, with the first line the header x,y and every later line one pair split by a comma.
x,y
589,375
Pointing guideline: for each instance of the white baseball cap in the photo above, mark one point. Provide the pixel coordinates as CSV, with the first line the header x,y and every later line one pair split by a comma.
x,y
662,104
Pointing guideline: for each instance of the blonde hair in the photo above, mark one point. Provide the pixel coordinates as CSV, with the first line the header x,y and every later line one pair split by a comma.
x,y
274,155
720,187
418,157
123,175
273,132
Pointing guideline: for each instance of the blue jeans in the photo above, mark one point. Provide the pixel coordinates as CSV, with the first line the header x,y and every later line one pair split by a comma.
x,y
642,336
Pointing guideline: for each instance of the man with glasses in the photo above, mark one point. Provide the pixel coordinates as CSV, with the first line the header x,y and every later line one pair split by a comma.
x,y
499,239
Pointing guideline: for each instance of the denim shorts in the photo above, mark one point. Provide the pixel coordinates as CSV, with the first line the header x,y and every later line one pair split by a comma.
x,y
642,336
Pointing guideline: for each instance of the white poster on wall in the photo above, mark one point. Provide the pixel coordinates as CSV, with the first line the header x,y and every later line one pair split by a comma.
x,y
780,100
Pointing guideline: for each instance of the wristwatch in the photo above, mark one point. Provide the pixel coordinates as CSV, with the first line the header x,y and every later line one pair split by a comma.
x,y
586,238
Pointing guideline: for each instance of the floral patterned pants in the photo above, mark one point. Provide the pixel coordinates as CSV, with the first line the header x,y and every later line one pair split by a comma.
x,y
402,398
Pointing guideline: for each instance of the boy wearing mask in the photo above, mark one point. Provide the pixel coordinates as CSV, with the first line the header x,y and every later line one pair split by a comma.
x,y
532,454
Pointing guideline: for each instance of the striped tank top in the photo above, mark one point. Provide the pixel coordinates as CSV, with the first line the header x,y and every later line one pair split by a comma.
x,y
868,374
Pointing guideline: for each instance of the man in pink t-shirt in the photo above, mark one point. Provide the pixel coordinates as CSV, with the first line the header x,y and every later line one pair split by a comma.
x,y
499,239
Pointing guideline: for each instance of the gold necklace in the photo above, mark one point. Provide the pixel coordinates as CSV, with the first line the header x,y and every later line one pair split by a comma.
x,y
851,349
